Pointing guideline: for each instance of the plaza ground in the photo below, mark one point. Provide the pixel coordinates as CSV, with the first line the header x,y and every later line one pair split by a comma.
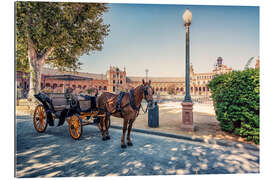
x,y
170,117
55,154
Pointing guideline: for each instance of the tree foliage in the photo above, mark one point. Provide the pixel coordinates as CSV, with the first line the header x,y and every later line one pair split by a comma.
x,y
64,31
236,97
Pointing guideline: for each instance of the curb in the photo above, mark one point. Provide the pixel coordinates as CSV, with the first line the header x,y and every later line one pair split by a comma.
x,y
196,139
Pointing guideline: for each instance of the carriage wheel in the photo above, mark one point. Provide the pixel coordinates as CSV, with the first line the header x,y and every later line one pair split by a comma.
x,y
75,127
40,119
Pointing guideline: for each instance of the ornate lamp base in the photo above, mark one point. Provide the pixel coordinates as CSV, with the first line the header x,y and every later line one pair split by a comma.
x,y
187,116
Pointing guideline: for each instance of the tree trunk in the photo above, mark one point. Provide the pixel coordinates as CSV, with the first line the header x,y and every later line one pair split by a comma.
x,y
35,65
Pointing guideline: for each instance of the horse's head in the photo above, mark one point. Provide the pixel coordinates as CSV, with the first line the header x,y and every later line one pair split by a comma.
x,y
148,92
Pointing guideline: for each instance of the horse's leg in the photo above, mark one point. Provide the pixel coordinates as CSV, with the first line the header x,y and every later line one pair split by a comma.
x,y
123,145
129,143
107,119
101,128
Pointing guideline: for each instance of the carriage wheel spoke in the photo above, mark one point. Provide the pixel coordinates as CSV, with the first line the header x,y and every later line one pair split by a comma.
x,y
75,127
40,119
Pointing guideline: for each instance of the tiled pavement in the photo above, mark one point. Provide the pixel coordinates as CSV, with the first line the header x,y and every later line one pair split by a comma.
x,y
55,154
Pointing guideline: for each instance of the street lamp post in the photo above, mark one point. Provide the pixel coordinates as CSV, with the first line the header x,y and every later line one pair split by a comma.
x,y
146,71
117,76
187,105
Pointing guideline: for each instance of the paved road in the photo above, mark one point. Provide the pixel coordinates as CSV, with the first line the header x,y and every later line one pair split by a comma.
x,y
55,154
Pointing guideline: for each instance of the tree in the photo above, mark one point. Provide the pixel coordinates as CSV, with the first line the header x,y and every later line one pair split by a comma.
x,y
56,33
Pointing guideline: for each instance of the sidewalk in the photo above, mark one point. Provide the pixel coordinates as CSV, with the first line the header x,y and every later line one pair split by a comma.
x,y
170,117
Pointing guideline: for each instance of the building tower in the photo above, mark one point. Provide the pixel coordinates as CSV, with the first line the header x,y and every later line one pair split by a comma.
x,y
219,62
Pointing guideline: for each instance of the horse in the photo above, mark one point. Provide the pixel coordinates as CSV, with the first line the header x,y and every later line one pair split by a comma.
x,y
129,109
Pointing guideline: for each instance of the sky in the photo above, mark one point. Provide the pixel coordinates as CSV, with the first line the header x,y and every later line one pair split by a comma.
x,y
152,36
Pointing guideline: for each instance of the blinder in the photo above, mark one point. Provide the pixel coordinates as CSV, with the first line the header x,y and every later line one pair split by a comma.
x,y
145,90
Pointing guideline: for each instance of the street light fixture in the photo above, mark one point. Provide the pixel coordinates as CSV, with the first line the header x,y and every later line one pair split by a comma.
x,y
187,16
187,105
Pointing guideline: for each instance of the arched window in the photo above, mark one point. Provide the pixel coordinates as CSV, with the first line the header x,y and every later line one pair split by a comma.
x,y
61,85
182,89
196,89
203,88
99,88
113,81
156,89
48,85
161,89
105,88
79,86
113,88
165,89
200,89
54,85
120,81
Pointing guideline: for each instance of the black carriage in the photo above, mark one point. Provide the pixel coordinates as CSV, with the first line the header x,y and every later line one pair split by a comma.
x,y
77,110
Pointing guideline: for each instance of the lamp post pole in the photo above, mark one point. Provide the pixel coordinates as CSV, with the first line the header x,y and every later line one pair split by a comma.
x,y
187,105
146,71
117,76
187,96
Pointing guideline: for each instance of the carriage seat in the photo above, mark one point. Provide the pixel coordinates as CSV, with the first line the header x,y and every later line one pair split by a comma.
x,y
58,101
87,102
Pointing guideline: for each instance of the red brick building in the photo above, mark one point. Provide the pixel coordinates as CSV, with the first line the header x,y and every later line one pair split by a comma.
x,y
117,79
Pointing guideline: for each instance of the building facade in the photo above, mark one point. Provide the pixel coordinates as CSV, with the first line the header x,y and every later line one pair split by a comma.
x,y
115,80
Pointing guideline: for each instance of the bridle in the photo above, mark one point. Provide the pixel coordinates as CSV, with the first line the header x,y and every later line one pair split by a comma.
x,y
145,92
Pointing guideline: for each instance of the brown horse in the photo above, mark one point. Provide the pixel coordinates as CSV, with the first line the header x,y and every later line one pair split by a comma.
x,y
129,109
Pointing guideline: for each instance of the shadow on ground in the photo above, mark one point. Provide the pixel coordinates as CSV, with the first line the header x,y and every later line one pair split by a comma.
x,y
55,154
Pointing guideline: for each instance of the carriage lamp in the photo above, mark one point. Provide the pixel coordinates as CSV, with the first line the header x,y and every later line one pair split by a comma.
x,y
187,105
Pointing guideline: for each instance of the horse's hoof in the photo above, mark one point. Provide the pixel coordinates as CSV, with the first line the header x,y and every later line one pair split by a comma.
x,y
129,144
104,138
108,137
123,146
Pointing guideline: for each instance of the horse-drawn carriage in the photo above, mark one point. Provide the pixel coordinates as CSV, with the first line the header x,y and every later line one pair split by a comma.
x,y
77,110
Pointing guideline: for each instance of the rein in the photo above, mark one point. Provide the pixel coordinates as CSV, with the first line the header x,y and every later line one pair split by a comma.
x,y
145,111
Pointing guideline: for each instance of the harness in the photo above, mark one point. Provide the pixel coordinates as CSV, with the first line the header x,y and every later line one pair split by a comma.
x,y
132,102
118,101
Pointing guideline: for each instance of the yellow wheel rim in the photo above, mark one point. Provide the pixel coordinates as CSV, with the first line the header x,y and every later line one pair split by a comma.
x,y
75,127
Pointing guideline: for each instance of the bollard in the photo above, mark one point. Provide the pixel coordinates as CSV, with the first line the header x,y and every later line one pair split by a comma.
x,y
153,116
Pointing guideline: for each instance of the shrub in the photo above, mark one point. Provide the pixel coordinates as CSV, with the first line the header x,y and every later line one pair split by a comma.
x,y
236,97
